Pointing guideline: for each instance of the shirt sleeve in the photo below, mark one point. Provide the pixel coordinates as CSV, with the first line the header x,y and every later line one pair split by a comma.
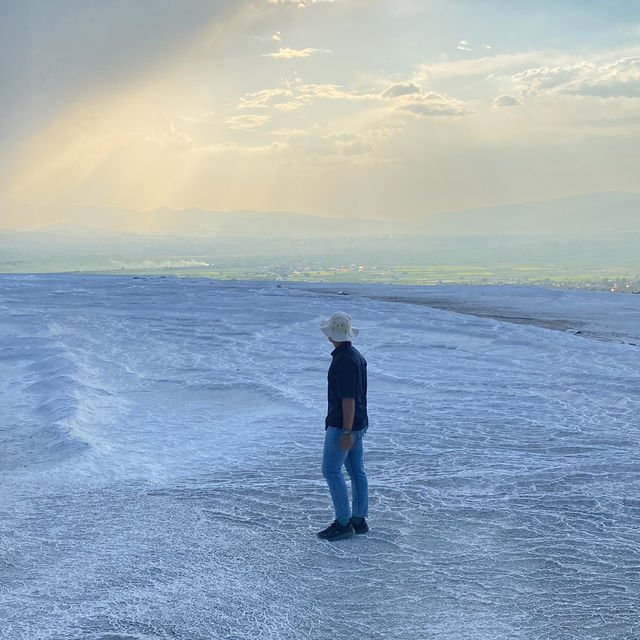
x,y
347,380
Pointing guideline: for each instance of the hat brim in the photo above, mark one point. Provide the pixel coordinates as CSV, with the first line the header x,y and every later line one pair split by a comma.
x,y
338,337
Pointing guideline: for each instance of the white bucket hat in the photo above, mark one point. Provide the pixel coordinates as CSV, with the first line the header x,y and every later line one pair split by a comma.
x,y
338,328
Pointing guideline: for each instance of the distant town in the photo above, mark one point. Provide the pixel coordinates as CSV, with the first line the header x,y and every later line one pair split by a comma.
x,y
620,281
603,262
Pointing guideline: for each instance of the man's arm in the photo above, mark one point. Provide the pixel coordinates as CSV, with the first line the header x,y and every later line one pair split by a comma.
x,y
348,415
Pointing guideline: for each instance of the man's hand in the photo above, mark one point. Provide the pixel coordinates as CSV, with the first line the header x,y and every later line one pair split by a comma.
x,y
346,442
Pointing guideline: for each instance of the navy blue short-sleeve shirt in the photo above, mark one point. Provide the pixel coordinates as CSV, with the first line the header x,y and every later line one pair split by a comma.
x,y
347,378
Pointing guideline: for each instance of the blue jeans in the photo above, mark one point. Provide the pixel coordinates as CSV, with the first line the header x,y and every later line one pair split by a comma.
x,y
332,460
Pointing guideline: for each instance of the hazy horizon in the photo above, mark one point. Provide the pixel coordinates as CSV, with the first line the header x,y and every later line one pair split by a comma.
x,y
583,215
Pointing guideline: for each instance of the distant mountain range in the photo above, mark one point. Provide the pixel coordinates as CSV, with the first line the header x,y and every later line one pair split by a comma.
x,y
87,221
584,215
592,214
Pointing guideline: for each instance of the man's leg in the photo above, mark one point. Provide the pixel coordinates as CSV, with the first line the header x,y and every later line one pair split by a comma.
x,y
332,461
359,483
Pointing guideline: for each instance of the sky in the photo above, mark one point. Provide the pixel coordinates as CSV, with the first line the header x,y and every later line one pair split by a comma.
x,y
385,109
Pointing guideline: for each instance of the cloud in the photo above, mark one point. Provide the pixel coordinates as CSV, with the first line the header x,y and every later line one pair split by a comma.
x,y
330,91
506,101
407,96
435,104
335,144
291,105
355,148
619,79
325,142
277,37
463,45
247,122
400,89
260,99
349,144
298,95
504,65
543,79
291,53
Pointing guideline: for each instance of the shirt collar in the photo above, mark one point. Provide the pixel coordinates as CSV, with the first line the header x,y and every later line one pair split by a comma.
x,y
342,347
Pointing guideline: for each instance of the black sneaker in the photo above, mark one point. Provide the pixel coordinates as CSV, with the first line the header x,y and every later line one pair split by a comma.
x,y
359,525
335,531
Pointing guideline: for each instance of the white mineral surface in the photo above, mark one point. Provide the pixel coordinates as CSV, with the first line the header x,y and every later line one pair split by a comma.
x,y
160,445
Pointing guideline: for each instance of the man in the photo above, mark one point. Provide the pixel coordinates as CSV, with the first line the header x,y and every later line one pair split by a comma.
x,y
345,426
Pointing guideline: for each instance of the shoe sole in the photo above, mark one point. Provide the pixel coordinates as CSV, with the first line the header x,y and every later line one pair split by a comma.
x,y
342,536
